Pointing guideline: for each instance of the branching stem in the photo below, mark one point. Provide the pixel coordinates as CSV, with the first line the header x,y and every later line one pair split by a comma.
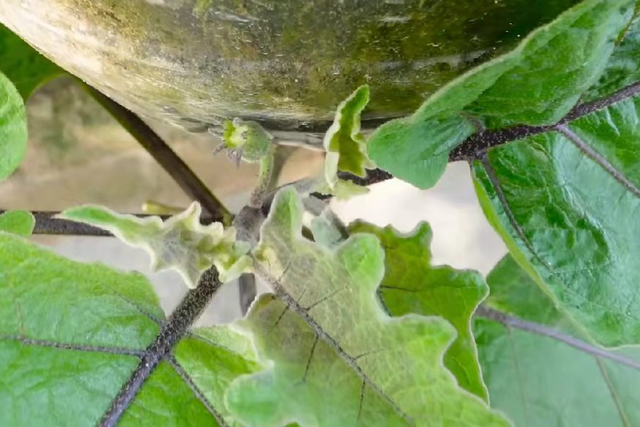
x,y
189,310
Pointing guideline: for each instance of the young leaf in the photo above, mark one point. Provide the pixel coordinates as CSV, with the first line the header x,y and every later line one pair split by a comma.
x,y
305,382
335,292
21,223
345,147
181,243
343,141
565,202
72,336
13,128
412,285
537,84
539,380
25,67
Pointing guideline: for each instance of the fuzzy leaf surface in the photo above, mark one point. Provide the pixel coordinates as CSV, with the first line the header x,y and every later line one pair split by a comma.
x,y
334,291
306,381
181,243
412,284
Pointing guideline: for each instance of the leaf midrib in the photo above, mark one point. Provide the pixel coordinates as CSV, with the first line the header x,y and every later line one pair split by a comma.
x,y
475,147
171,333
351,361
512,322
549,332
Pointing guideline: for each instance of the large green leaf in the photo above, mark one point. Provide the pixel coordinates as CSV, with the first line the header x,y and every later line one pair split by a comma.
x,y
541,381
24,66
566,203
72,334
334,291
537,84
412,285
13,128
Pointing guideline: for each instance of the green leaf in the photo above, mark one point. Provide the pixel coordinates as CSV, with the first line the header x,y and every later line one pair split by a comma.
x,y
189,388
21,223
566,203
72,334
335,292
623,68
542,381
345,147
23,65
181,243
306,382
538,83
412,285
343,141
13,128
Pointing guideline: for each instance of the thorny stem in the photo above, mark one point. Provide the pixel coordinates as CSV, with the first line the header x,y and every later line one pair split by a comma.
x,y
177,326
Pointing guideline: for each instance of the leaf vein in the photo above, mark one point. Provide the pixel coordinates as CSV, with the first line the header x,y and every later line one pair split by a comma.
x,y
74,347
196,390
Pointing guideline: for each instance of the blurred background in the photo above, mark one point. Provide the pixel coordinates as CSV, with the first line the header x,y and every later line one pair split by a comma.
x,y
78,154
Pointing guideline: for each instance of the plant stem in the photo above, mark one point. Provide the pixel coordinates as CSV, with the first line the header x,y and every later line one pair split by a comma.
x,y
189,310
265,178
48,224
165,156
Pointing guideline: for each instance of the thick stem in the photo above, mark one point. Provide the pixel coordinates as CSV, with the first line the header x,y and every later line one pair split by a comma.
x,y
172,332
165,156
47,224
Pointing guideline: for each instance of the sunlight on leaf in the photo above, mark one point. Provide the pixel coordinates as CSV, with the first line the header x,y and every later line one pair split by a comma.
x,y
566,205
400,359
305,381
181,243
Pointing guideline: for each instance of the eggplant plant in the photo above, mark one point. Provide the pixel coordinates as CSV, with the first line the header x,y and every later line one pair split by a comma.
x,y
360,328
